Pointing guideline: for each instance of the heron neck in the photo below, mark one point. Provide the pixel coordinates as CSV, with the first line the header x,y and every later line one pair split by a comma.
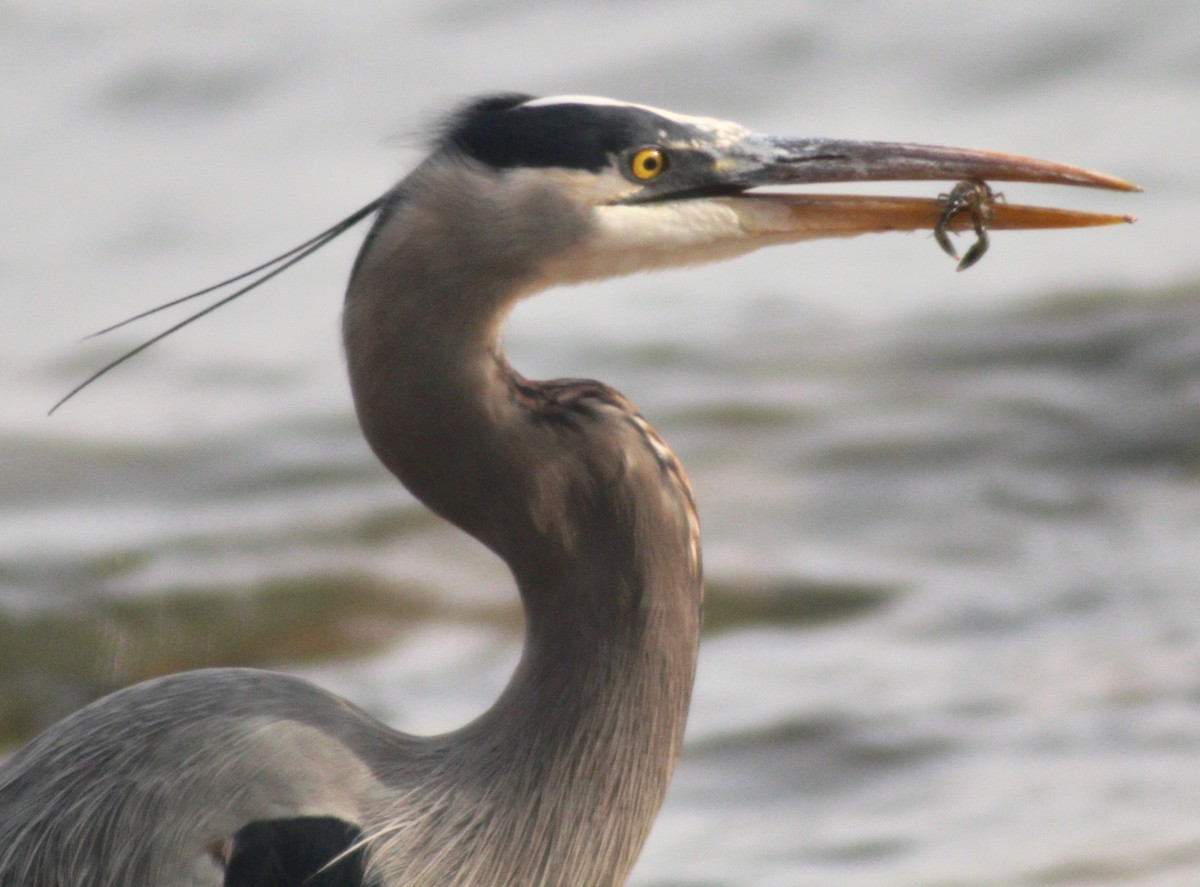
x,y
575,756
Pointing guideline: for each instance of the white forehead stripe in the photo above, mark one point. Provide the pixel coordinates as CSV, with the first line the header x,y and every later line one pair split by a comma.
x,y
722,130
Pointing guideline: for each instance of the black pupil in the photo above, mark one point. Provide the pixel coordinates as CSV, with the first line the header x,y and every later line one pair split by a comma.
x,y
650,163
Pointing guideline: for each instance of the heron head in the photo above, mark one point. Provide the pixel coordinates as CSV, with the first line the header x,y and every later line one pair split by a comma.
x,y
661,189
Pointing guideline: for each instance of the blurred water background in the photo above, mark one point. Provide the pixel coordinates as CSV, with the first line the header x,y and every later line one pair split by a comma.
x,y
952,521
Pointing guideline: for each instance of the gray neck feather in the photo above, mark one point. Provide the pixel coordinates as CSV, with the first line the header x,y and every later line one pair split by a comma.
x,y
558,783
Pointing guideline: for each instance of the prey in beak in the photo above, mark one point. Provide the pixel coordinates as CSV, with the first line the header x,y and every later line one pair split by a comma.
x,y
973,197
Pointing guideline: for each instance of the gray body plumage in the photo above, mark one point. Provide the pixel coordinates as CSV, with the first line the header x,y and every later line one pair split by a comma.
x,y
188,759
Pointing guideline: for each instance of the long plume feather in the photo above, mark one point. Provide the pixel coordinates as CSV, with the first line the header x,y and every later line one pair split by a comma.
x,y
272,267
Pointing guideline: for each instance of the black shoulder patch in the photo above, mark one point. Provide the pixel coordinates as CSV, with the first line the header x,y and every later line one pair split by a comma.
x,y
503,132
297,853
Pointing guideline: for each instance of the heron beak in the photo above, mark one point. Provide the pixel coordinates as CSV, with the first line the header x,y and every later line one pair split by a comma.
x,y
760,160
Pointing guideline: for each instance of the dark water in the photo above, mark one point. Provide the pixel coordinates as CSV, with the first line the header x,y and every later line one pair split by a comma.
x,y
952,522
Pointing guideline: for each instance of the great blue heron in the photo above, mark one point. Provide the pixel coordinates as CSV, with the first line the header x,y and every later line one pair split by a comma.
x,y
240,776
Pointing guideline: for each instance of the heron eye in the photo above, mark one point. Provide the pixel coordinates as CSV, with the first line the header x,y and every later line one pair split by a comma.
x,y
647,163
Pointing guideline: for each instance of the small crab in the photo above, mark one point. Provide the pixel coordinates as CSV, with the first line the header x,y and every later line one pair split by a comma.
x,y
973,196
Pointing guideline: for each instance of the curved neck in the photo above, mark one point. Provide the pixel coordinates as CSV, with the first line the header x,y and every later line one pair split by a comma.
x,y
571,487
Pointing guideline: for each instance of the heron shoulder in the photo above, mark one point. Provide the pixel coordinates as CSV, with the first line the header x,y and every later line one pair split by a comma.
x,y
188,760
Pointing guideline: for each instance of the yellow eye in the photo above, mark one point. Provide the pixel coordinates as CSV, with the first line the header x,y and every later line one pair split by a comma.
x,y
647,163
